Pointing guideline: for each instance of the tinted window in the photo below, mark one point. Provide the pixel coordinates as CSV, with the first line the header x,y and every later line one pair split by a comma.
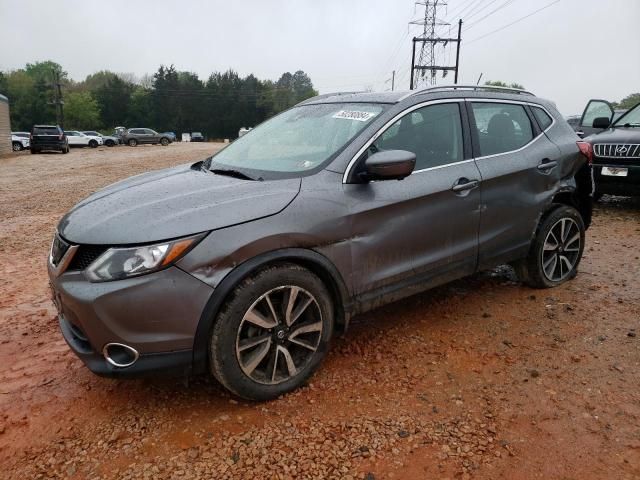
x,y
45,131
502,127
544,120
149,132
433,133
136,131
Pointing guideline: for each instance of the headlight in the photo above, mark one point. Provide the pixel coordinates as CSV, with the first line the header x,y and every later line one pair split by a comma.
x,y
119,263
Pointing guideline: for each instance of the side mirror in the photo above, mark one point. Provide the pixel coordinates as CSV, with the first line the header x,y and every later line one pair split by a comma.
x,y
601,122
389,165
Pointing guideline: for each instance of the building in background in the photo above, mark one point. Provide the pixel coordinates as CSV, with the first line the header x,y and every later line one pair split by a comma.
x,y
5,126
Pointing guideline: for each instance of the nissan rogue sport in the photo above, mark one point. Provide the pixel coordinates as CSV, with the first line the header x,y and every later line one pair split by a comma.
x,y
247,263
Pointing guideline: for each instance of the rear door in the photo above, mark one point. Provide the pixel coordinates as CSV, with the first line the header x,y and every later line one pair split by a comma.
x,y
151,136
594,109
422,230
519,166
74,138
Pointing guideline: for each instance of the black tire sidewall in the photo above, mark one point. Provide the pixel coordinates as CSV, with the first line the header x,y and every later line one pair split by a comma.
x,y
164,142
132,143
222,355
535,257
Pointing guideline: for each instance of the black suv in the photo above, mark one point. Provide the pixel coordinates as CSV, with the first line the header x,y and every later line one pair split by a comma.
x,y
244,264
48,137
615,151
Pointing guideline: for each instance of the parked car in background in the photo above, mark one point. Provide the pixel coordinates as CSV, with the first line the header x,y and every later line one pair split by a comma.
x,y
573,121
243,131
615,151
136,136
197,137
19,143
245,264
594,109
21,134
171,135
79,139
107,140
48,137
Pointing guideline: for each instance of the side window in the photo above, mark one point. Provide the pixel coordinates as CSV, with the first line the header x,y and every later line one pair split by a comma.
x,y
502,127
149,132
544,120
136,131
433,133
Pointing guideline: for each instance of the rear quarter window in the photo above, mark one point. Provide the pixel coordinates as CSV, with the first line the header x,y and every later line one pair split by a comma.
x,y
543,118
501,127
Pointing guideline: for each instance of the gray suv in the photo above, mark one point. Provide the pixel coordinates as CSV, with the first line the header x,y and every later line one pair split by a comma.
x,y
247,263
135,136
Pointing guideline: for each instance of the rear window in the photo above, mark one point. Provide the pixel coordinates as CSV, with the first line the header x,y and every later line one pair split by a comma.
x,y
45,131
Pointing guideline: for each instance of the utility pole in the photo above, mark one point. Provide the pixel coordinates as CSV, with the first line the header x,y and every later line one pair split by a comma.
x,y
58,102
393,80
429,40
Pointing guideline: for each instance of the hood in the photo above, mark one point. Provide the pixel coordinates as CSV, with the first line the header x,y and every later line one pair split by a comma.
x,y
172,203
616,135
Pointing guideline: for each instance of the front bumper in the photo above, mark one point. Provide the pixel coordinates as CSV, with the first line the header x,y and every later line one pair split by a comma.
x,y
616,185
156,314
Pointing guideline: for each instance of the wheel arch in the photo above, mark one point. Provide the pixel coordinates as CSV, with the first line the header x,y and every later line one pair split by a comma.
x,y
310,259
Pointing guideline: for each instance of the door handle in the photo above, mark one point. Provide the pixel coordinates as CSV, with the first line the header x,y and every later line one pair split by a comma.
x,y
547,165
464,184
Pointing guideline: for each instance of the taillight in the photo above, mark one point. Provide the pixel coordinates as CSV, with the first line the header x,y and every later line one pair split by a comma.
x,y
31,136
586,149
60,136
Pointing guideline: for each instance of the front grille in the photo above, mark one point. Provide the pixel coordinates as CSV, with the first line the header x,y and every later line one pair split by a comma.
x,y
616,150
58,248
85,255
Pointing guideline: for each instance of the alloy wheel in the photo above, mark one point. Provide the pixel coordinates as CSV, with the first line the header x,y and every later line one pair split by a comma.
x,y
561,249
279,335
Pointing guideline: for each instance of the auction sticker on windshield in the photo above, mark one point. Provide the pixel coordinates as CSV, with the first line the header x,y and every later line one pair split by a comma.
x,y
354,115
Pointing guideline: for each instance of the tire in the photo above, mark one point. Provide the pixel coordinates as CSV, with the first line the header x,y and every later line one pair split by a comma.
x,y
16,146
558,262
33,150
132,142
164,142
66,149
110,143
278,363
597,196
93,144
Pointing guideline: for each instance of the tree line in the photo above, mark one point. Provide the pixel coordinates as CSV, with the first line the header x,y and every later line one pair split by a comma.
x,y
168,100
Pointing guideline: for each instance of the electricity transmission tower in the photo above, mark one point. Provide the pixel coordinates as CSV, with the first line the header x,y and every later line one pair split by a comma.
x,y
427,66
58,102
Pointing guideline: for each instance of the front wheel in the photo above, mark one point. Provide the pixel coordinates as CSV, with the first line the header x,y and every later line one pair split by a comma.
x,y
556,249
110,143
93,144
17,146
164,142
272,333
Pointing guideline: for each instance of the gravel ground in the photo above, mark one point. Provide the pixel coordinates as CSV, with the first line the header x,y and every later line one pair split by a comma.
x,y
482,378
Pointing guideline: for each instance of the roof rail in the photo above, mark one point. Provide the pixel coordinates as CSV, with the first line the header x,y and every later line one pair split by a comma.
x,y
484,88
325,95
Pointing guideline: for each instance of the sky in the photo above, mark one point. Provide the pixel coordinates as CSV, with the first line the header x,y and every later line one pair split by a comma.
x,y
569,52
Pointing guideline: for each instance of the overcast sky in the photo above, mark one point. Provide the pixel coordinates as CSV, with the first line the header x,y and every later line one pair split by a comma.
x,y
569,52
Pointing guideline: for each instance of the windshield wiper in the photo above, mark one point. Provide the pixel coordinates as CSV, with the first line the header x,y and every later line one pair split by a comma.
x,y
231,173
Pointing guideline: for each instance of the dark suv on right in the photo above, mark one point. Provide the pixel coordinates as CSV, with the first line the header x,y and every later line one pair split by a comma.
x,y
48,137
244,264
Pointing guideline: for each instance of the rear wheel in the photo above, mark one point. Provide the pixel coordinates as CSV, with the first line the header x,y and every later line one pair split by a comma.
x,y
17,146
272,333
555,251
132,142
110,143
33,150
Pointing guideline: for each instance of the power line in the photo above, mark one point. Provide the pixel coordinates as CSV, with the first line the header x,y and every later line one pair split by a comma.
x,y
505,4
512,23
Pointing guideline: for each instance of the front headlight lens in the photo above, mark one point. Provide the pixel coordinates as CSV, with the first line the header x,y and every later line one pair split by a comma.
x,y
119,263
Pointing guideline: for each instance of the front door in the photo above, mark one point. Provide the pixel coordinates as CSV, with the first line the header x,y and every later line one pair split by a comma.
x,y
594,109
422,230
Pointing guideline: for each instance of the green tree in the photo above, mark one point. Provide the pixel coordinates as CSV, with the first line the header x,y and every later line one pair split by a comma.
x,y
498,83
113,100
629,101
81,111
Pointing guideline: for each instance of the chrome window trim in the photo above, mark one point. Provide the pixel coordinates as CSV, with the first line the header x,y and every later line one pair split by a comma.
x,y
393,120
516,102
401,114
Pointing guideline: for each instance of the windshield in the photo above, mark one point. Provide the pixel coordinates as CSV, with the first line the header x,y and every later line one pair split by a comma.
x,y
296,141
631,118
